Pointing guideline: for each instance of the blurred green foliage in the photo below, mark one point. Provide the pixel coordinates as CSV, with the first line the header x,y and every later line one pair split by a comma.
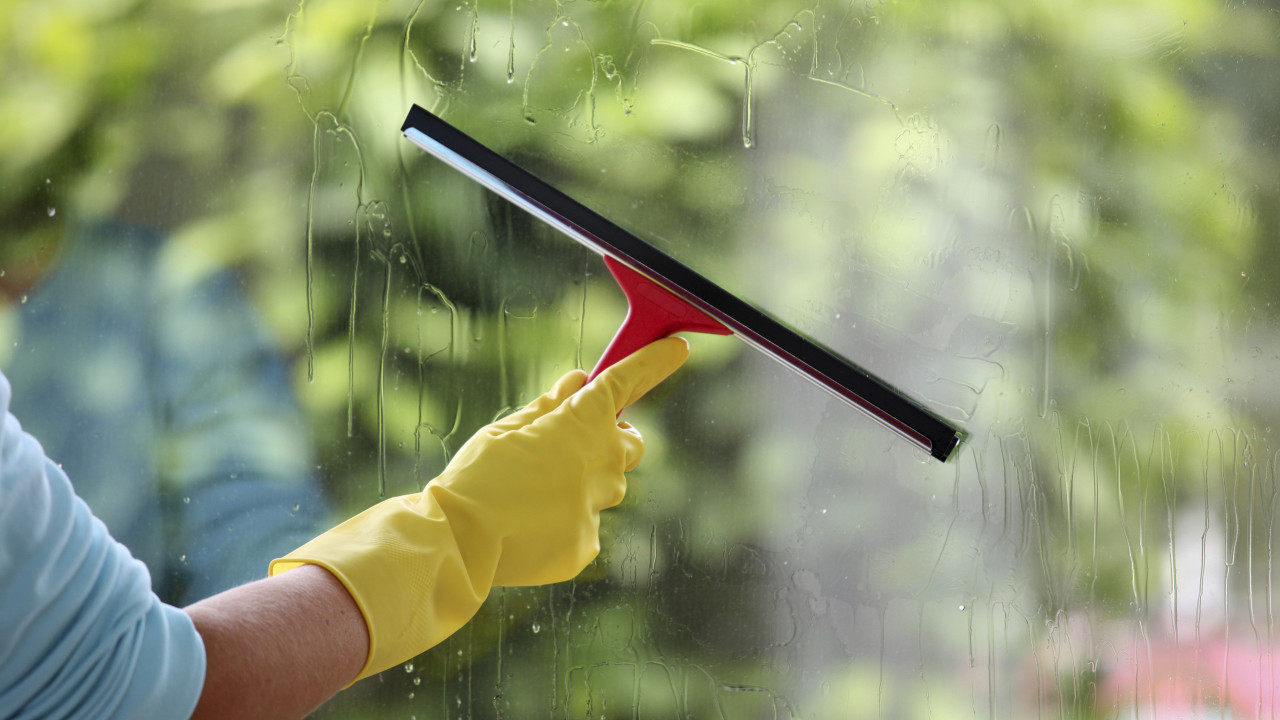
x,y
1053,222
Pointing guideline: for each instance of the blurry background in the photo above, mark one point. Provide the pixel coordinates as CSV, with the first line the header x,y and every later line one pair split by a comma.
x,y
1054,224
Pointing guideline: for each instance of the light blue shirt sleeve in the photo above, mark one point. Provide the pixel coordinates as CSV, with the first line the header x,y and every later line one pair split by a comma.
x,y
81,633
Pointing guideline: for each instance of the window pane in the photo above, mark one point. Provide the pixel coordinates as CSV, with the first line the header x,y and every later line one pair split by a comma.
x,y
1051,224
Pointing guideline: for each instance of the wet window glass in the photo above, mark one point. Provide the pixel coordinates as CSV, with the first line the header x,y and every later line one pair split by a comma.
x,y
237,305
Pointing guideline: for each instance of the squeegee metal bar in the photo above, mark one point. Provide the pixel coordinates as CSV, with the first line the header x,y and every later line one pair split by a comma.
x,y
812,360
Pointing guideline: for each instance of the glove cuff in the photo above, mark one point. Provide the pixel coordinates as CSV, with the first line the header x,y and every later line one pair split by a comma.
x,y
403,566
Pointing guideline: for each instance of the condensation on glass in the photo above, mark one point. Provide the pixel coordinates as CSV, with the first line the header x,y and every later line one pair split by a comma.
x,y
1052,224
1042,222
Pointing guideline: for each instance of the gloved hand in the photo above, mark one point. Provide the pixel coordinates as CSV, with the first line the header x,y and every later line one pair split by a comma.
x,y
518,505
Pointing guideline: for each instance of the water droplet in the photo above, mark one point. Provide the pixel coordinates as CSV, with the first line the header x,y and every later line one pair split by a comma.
x,y
23,299
961,608
185,500
53,211
408,667
537,628
417,680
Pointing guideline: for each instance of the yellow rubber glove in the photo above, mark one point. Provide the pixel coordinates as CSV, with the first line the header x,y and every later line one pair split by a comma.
x,y
518,505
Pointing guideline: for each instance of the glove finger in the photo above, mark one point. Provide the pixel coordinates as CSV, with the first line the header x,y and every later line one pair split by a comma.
x,y
632,449
566,386
609,488
629,379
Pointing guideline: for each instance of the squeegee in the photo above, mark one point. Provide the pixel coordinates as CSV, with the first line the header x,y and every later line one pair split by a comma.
x,y
665,296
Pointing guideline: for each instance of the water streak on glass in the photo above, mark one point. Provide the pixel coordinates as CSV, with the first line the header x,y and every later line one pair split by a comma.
x,y
473,33
453,407
310,256
352,315
382,379
511,42
354,69
502,628
517,312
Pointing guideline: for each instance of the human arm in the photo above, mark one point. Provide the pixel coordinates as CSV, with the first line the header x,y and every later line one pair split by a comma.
x,y
81,633
519,505
279,647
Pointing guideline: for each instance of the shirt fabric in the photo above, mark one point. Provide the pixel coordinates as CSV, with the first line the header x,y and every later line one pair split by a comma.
x,y
81,633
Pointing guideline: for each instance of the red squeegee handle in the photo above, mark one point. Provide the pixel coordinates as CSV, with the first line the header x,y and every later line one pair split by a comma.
x,y
653,312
